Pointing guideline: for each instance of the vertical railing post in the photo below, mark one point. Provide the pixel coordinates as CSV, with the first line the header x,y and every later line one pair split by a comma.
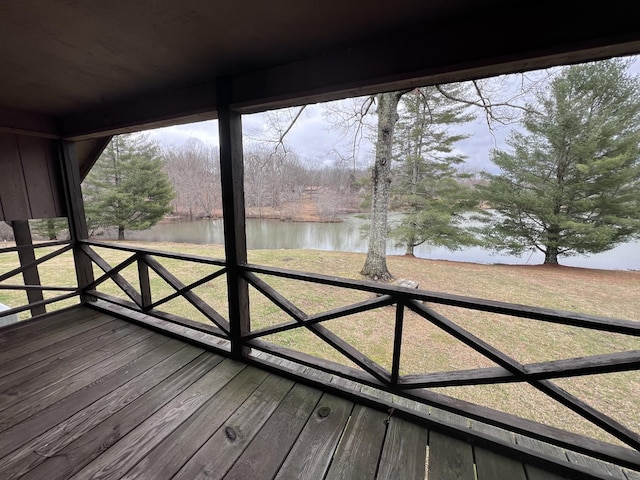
x,y
145,285
235,241
397,345
26,254
75,214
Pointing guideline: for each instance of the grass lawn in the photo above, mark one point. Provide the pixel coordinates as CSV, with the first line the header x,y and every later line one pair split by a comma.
x,y
425,348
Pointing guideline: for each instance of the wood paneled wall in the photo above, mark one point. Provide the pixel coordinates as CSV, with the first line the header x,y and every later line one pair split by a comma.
x,y
30,179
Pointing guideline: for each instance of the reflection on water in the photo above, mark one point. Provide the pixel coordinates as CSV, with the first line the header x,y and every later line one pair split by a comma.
x,y
345,237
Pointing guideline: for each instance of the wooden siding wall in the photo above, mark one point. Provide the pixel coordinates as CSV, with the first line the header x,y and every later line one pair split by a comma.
x,y
30,180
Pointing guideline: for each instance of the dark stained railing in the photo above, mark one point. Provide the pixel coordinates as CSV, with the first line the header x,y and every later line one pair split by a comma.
x,y
71,291
368,371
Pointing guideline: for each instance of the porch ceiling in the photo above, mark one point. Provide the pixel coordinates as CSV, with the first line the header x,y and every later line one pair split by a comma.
x,y
86,69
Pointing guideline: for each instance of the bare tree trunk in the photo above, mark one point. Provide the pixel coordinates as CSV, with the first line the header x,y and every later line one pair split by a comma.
x,y
120,232
375,265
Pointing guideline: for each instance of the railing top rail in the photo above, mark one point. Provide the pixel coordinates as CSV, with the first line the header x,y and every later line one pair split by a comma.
x,y
158,253
627,327
35,245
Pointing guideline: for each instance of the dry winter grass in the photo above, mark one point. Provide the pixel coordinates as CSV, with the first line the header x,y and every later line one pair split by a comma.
x,y
425,348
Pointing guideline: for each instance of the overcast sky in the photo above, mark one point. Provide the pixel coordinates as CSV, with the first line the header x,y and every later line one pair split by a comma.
x,y
313,137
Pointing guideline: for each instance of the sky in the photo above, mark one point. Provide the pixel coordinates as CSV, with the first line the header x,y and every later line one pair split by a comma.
x,y
315,139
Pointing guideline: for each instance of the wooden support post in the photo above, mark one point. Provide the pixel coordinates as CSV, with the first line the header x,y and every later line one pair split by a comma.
x,y
22,235
235,240
75,213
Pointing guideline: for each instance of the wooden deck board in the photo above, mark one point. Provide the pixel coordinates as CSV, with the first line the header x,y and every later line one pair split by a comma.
x,y
268,449
360,448
311,455
202,446
83,410
491,465
64,458
219,392
92,397
449,458
404,452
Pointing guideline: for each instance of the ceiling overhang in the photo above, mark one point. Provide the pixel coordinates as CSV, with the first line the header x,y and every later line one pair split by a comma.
x,y
105,84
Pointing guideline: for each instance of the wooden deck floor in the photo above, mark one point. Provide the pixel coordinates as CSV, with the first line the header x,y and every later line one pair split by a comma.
x,y
84,395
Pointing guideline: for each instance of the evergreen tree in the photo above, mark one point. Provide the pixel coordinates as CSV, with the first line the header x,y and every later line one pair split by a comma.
x,y
127,187
427,184
50,228
571,182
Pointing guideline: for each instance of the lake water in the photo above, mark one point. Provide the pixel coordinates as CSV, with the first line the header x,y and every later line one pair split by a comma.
x,y
345,237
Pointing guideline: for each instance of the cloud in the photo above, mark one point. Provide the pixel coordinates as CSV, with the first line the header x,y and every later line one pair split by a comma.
x,y
313,138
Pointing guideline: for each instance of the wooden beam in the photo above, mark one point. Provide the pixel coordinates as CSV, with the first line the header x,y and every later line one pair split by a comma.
x,y
75,211
466,49
89,151
460,48
235,239
31,276
195,103
27,123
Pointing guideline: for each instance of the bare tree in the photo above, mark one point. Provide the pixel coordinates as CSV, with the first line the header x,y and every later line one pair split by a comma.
x,y
194,170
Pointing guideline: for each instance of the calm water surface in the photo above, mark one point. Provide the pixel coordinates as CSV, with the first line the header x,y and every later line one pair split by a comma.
x,y
345,237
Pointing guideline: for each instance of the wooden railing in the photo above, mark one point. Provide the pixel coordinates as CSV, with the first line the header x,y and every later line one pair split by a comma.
x,y
144,300
369,372
40,305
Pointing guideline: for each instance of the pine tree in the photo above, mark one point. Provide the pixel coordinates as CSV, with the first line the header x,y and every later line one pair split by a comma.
x,y
570,183
127,187
427,184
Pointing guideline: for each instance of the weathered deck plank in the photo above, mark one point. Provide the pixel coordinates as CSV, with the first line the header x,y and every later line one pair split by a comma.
x,y
197,454
358,453
311,455
449,458
80,412
491,465
29,359
48,395
44,335
218,392
266,452
69,357
89,396
64,459
404,451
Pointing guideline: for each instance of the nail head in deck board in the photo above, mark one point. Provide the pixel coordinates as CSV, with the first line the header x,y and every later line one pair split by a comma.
x,y
213,406
449,458
357,454
404,451
215,453
491,465
311,454
61,463
268,449
97,400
